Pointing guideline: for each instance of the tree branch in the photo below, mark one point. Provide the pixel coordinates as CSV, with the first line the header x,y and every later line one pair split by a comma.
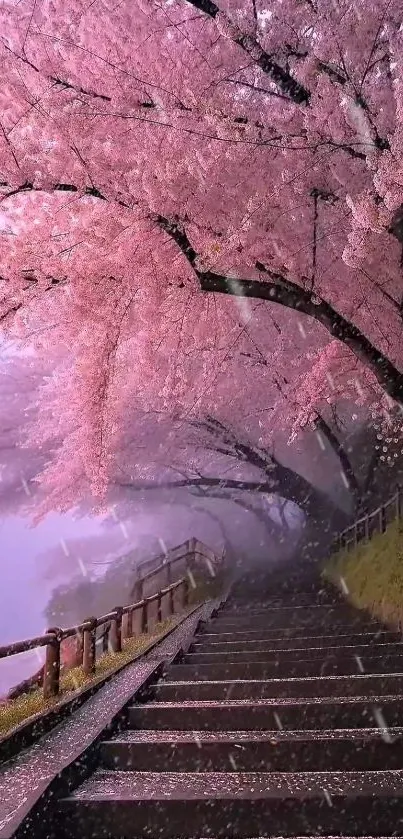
x,y
273,530
276,288
278,479
299,94
293,297
279,289
222,483
341,453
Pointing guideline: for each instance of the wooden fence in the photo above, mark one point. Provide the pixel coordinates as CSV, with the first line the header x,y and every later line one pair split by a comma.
x,y
375,522
161,571
122,622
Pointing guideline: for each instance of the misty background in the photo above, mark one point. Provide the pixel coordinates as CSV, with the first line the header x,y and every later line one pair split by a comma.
x,y
75,564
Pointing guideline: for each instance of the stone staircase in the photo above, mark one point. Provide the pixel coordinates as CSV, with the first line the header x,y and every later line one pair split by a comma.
x,y
284,719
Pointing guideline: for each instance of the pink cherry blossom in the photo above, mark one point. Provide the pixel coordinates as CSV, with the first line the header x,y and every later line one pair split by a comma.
x,y
199,213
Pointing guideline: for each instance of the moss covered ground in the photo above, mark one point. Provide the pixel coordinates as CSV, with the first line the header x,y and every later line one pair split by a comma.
x,y
372,574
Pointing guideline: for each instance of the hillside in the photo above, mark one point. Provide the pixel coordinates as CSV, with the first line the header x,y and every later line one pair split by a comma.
x,y
371,575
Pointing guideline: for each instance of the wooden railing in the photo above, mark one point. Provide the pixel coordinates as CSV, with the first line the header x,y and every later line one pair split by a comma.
x,y
117,626
191,551
156,595
183,559
375,522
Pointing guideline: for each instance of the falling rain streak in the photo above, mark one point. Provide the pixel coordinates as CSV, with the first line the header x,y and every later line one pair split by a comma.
x,y
344,586
201,234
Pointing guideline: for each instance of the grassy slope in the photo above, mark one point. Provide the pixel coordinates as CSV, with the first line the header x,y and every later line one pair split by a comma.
x,y
373,574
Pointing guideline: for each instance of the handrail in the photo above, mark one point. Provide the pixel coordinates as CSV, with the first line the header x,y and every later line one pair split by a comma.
x,y
118,626
191,554
374,522
165,560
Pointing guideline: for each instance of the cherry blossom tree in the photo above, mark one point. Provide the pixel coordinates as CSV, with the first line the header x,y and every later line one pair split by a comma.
x,y
170,171
166,449
20,379
338,377
206,457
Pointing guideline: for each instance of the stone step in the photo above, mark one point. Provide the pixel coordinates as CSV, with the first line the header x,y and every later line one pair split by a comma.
x,y
246,751
311,607
205,641
345,665
290,605
286,608
265,630
294,621
283,719
296,599
324,686
245,592
170,804
267,714
267,654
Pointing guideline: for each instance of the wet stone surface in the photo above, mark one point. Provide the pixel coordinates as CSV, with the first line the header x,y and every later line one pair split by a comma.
x,y
289,700
270,736
171,785
254,757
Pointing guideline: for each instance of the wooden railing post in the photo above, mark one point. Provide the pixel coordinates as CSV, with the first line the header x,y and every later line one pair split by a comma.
x,y
79,645
172,601
398,503
185,592
127,625
51,673
366,528
159,607
89,648
382,519
138,591
115,633
105,637
144,617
